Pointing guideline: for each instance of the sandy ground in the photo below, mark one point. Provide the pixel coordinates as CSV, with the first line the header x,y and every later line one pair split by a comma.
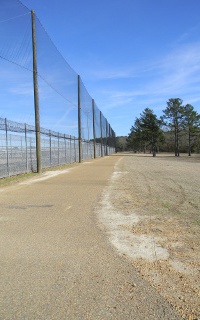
x,y
151,213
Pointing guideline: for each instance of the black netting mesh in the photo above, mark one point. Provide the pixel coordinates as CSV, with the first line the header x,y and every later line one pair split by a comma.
x,y
58,94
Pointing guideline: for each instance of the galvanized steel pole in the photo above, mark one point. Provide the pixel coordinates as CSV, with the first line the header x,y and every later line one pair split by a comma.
x,y
7,151
101,134
25,136
94,131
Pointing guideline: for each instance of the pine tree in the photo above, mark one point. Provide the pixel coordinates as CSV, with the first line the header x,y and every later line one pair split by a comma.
x,y
150,127
145,132
191,124
173,118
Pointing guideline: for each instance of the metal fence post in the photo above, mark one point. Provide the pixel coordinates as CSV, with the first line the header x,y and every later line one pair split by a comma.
x,y
106,137
50,147
25,134
101,134
65,149
70,149
94,129
31,154
109,140
36,94
11,156
21,148
7,152
74,149
79,119
114,142
58,150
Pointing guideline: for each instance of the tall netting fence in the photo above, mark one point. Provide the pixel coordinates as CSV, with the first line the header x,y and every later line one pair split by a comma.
x,y
57,85
104,134
16,79
98,138
58,91
86,123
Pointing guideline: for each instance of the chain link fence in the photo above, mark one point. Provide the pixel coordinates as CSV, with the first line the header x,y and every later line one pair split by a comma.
x,y
64,102
18,148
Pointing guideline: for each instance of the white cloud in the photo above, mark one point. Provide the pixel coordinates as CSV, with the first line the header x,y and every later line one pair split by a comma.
x,y
177,74
22,89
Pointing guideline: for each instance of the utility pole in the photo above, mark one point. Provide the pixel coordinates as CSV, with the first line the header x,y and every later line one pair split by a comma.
x,y
36,95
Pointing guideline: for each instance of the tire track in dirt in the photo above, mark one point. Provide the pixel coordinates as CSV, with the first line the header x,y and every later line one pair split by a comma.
x,y
179,194
161,199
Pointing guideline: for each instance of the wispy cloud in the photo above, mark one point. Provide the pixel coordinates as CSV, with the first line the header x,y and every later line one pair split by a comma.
x,y
177,74
22,89
183,60
187,36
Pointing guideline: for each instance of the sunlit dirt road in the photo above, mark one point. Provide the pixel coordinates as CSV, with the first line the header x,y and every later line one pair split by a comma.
x,y
57,263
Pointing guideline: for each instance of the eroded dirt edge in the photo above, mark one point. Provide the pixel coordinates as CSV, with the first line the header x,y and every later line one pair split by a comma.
x,y
154,244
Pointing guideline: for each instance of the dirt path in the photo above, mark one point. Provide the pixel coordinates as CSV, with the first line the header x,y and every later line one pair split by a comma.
x,y
151,212
56,263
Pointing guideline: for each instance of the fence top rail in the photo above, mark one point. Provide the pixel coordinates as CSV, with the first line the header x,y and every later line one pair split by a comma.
x,y
12,126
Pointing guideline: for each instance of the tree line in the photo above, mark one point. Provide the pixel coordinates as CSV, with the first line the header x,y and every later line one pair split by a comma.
x,y
178,130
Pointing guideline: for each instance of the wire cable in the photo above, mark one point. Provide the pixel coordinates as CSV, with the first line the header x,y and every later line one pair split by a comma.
x,y
16,17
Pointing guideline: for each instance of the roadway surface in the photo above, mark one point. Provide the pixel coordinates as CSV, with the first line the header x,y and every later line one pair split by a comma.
x,y
56,263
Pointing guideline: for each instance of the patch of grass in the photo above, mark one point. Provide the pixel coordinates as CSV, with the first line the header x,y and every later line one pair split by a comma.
x,y
166,205
20,177
12,179
177,213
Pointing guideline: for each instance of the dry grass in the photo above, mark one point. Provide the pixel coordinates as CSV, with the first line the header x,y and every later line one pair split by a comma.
x,y
164,193
7,181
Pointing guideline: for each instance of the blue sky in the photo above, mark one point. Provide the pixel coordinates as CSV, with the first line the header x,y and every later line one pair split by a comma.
x,y
131,54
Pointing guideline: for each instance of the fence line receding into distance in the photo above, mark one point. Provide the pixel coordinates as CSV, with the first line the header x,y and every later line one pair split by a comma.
x,y
32,69
18,148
